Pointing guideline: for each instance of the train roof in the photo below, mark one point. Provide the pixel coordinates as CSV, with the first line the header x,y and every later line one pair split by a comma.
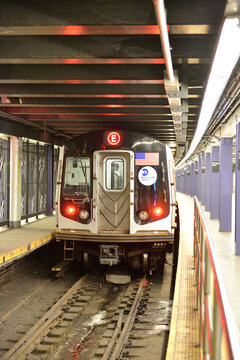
x,y
98,140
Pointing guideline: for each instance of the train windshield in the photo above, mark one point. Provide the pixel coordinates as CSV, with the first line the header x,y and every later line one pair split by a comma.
x,y
114,170
77,176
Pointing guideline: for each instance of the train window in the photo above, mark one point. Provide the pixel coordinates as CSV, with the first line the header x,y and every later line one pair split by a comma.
x,y
77,176
114,174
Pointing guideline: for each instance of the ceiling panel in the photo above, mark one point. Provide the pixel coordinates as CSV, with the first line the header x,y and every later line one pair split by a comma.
x,y
69,67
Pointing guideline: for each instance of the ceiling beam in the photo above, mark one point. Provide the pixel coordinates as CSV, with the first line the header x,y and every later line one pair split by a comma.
x,y
76,30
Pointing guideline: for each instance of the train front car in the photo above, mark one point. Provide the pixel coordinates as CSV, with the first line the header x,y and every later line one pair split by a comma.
x,y
116,199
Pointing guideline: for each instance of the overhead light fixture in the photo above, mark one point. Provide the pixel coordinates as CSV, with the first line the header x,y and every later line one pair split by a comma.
x,y
225,59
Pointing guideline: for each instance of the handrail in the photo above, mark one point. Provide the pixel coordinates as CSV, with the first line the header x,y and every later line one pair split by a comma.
x,y
219,335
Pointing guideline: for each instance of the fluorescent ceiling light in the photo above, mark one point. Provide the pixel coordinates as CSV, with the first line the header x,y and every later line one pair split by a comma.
x,y
225,59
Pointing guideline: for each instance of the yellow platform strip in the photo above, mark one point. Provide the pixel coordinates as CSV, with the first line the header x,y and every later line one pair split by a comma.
x,y
184,337
20,251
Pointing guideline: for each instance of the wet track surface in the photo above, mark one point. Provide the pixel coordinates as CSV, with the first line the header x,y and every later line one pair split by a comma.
x,y
30,290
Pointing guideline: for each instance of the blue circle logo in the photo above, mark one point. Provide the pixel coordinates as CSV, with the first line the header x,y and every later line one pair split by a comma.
x,y
147,175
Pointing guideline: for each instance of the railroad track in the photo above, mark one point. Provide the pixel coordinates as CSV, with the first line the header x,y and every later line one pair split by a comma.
x,y
123,326
140,320
41,340
136,326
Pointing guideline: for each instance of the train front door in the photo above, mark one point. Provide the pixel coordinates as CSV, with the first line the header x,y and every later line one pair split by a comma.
x,y
112,190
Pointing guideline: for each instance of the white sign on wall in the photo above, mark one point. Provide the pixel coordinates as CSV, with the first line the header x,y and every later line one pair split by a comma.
x,y
147,175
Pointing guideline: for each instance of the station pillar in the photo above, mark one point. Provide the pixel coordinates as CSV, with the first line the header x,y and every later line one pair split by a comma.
x,y
203,169
225,184
237,193
214,197
50,180
199,177
182,180
185,181
207,182
188,192
196,179
192,177
15,182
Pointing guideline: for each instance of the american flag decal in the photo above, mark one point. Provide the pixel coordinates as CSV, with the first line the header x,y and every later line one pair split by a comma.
x,y
149,158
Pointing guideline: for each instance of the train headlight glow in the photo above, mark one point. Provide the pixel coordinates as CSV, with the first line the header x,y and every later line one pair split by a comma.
x,y
84,214
70,210
143,215
158,211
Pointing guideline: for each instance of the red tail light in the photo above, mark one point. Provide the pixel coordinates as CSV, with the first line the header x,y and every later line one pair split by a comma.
x,y
158,211
70,210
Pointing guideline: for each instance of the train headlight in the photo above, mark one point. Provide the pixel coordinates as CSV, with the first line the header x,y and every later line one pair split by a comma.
x,y
71,210
143,215
158,211
84,214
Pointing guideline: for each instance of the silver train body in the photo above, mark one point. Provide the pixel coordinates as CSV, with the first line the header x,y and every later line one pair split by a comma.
x,y
116,198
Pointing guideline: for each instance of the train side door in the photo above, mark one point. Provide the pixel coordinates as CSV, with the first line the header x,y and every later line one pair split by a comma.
x,y
112,191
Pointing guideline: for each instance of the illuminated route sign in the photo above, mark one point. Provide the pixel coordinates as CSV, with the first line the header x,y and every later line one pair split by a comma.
x,y
112,138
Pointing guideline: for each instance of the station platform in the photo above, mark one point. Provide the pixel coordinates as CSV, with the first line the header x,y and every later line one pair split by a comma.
x,y
184,337
16,243
185,332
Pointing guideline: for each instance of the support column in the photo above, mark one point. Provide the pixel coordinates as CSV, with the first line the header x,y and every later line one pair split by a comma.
x,y
214,189
15,182
226,184
196,179
182,181
199,177
237,193
185,181
188,181
207,182
50,181
192,178
203,178
176,179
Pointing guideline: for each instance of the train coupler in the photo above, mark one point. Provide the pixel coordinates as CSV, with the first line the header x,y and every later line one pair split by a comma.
x,y
109,254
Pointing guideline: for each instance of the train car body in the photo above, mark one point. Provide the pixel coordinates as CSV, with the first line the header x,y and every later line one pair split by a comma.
x,y
116,198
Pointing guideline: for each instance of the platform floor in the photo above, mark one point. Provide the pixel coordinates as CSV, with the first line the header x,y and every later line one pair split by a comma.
x,y
184,338
16,243
184,332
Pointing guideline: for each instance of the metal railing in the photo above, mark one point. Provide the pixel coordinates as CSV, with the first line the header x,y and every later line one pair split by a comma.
x,y
219,335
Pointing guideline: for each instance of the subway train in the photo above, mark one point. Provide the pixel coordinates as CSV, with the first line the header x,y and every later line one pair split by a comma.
x,y
116,200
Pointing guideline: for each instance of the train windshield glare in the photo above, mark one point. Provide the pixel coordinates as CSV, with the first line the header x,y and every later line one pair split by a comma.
x,y
114,171
77,176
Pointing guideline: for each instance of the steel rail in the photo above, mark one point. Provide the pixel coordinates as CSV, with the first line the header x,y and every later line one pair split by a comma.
x,y
116,349
113,339
23,345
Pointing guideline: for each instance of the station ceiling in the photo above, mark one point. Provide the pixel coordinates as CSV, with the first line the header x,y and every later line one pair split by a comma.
x,y
70,67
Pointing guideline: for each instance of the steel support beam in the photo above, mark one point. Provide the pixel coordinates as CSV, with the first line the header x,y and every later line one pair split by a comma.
x,y
50,180
15,182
